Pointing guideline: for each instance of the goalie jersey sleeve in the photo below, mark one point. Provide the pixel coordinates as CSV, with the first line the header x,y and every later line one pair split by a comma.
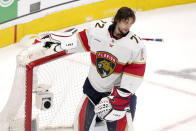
x,y
134,70
114,62
82,42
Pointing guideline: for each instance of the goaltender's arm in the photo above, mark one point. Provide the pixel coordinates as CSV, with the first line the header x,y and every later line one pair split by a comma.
x,y
83,38
134,70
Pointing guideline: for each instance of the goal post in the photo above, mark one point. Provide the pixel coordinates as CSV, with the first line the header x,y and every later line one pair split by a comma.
x,y
29,85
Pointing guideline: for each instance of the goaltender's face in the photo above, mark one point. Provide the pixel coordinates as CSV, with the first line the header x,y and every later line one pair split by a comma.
x,y
123,26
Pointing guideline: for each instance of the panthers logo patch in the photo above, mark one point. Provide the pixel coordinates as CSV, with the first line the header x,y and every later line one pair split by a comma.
x,y
105,63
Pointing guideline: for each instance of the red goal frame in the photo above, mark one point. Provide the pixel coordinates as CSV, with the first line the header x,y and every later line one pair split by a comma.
x,y
29,84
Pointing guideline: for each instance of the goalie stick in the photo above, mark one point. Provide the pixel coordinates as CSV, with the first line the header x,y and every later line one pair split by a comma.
x,y
146,39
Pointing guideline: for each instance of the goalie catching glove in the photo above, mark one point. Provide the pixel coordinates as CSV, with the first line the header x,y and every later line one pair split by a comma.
x,y
114,106
59,41
46,44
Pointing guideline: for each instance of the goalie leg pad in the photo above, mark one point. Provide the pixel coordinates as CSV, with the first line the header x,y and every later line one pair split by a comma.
x,y
85,117
119,125
133,102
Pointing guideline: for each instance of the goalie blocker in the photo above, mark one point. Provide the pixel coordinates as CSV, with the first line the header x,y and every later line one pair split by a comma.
x,y
86,119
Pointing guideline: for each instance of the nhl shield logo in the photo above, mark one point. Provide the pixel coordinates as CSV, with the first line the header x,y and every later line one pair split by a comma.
x,y
105,63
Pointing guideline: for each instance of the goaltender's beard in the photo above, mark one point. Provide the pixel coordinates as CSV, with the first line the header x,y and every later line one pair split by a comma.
x,y
120,32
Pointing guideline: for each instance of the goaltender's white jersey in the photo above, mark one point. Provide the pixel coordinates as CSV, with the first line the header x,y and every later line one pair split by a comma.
x,y
115,62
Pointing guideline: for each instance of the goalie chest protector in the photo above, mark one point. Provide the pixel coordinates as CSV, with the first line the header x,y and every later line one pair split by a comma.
x,y
109,56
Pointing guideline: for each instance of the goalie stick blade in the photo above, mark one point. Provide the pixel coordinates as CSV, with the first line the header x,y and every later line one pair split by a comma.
x,y
153,39
159,40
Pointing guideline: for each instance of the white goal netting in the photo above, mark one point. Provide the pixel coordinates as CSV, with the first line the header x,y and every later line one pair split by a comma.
x,y
63,77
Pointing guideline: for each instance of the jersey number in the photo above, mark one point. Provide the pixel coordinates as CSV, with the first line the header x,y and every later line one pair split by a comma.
x,y
135,38
100,25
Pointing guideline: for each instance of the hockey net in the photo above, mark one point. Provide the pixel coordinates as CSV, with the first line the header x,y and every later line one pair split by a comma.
x,y
59,77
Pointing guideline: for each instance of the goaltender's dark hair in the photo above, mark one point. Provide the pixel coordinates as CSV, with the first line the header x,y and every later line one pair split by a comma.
x,y
124,13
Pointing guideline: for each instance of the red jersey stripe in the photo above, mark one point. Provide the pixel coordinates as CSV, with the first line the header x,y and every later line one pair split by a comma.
x,y
119,68
135,69
84,40
93,57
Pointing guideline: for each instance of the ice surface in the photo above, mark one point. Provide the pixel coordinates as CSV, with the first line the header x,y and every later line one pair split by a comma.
x,y
167,97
